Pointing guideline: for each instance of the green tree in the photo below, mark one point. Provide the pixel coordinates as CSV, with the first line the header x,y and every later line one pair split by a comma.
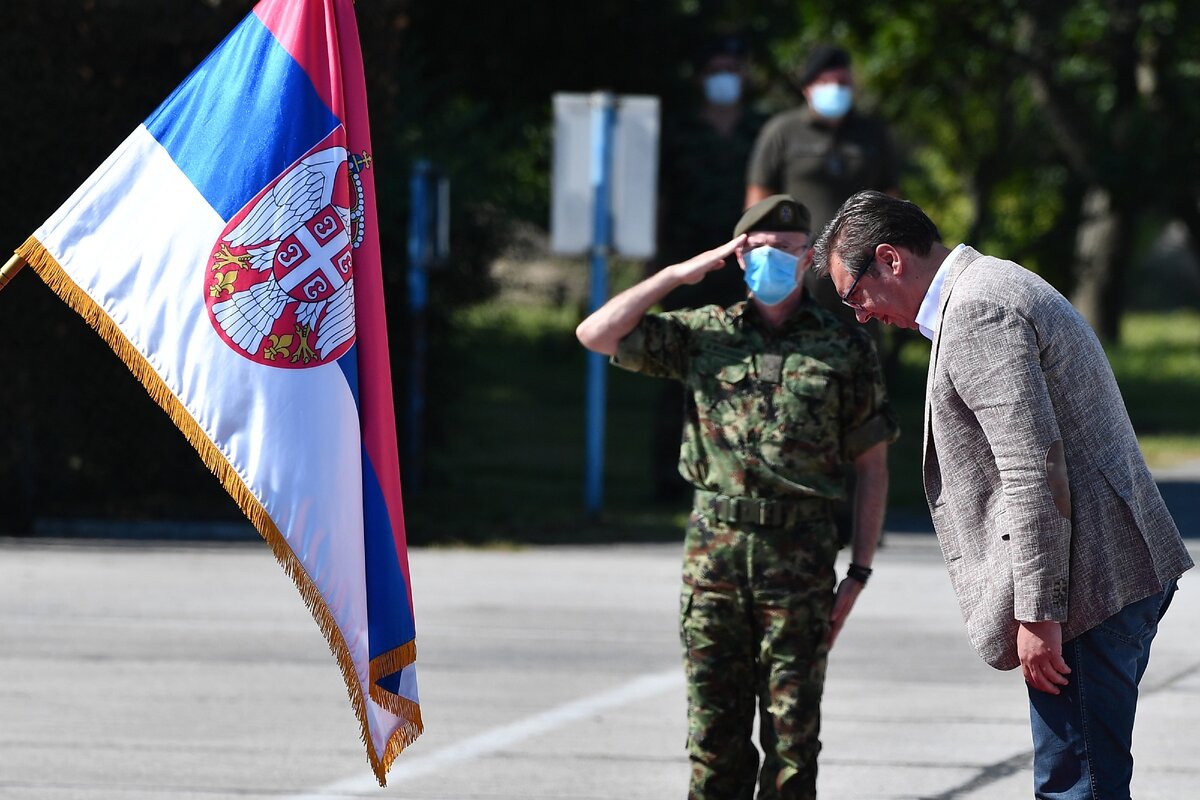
x,y
1058,132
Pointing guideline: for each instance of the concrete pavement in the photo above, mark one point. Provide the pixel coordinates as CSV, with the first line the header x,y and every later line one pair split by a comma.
x,y
131,670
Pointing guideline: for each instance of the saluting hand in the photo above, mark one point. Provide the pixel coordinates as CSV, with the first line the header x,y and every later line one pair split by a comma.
x,y
695,268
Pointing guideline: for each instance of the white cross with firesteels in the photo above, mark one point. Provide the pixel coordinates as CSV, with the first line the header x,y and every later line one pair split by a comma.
x,y
320,261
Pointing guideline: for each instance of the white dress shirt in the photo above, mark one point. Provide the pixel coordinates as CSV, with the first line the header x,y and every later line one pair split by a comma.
x,y
927,314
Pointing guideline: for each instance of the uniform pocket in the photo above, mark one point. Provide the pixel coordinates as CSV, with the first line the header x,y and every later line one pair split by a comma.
x,y
733,373
723,387
808,393
808,385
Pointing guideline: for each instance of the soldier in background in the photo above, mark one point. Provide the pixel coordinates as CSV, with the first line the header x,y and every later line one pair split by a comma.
x,y
821,153
780,397
705,147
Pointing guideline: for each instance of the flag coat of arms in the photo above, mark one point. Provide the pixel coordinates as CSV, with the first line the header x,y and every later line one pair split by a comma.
x,y
228,252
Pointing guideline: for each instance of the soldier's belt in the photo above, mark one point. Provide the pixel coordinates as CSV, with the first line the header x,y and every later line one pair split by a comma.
x,y
761,510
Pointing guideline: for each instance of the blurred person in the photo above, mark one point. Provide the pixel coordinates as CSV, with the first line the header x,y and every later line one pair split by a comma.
x,y
705,147
702,170
780,396
1059,546
821,153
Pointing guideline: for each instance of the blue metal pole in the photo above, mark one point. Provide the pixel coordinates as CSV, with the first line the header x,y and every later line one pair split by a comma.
x,y
419,249
603,119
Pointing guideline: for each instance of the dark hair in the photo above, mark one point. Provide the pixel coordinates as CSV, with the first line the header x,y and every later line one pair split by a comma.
x,y
823,57
867,220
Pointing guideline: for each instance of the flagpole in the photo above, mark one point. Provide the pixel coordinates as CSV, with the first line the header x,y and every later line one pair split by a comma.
x,y
9,270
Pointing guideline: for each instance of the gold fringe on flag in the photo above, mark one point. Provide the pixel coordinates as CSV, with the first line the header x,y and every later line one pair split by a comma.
x,y
49,270
386,664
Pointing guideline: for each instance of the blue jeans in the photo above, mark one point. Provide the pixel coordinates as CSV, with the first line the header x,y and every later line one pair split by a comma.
x,y
1083,736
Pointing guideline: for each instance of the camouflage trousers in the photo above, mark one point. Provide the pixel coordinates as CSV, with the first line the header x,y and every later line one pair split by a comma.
x,y
754,617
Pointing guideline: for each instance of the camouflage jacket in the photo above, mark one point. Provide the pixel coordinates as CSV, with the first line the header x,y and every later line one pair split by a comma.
x,y
778,414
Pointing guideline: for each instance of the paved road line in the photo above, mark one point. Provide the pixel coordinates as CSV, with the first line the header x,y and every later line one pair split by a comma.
x,y
408,767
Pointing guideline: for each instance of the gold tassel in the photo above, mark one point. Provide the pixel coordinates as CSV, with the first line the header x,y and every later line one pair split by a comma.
x,y
49,270
393,661
384,665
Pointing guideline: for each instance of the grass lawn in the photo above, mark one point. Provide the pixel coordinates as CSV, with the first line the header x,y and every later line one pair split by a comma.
x,y
505,447
505,440
1157,364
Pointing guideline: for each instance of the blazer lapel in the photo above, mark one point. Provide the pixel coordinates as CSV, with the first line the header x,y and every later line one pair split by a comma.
x,y
963,260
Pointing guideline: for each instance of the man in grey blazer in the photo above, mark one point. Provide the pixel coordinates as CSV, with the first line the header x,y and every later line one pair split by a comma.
x,y
1059,546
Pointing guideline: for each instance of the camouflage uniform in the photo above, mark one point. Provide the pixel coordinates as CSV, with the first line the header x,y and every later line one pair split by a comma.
x,y
773,420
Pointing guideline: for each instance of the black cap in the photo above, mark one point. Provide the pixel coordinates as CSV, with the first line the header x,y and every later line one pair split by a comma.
x,y
729,44
823,57
779,212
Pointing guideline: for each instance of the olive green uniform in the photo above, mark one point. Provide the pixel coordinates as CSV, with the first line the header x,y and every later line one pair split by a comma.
x,y
821,165
773,420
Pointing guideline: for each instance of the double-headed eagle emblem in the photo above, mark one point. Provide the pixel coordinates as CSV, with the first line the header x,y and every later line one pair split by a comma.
x,y
281,277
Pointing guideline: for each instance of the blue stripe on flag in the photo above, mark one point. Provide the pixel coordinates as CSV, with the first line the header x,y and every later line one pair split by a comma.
x,y
241,118
349,364
390,620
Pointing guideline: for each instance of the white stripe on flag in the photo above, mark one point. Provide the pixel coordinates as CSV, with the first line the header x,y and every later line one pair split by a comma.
x,y
139,209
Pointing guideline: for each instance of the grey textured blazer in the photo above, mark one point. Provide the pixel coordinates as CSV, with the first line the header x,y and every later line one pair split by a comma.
x,y
1041,500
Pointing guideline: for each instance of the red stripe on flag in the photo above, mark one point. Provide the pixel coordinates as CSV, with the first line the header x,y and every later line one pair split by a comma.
x,y
311,41
374,367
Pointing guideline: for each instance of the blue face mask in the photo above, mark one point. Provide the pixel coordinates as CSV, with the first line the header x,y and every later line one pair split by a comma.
x,y
771,274
723,88
831,100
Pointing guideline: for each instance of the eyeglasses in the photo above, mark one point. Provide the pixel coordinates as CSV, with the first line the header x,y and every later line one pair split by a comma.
x,y
845,298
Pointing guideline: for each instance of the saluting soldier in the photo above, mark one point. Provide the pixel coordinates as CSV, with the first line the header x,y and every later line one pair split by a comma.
x,y
782,398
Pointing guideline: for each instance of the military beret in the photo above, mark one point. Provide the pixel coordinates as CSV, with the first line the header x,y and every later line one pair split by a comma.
x,y
779,212
823,57
729,44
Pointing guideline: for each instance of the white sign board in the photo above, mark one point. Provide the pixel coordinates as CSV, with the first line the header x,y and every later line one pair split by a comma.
x,y
633,176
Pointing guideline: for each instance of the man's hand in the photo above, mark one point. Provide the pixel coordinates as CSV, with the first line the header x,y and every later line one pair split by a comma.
x,y
847,593
695,268
604,328
1039,646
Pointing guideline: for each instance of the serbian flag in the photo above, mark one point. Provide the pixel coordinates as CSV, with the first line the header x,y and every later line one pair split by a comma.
x,y
228,251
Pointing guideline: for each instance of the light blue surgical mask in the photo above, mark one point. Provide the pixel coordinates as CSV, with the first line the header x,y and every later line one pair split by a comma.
x,y
723,88
771,274
831,100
